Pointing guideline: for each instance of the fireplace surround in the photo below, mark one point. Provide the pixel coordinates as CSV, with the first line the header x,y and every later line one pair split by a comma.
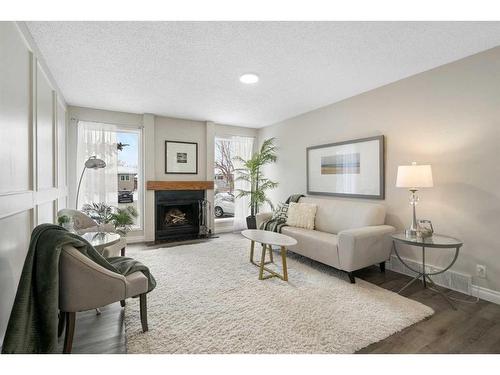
x,y
178,214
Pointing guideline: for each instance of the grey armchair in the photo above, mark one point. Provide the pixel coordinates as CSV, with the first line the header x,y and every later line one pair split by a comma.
x,y
84,224
85,285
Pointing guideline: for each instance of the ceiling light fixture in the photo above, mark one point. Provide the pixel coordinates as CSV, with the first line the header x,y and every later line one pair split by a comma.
x,y
249,78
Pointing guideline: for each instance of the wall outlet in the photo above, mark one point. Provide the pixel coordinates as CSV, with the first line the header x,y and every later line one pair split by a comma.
x,y
481,271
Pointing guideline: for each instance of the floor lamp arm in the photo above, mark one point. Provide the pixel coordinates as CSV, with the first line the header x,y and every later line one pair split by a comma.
x,y
79,184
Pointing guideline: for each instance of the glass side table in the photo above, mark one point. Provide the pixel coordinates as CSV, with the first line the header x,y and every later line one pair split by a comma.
x,y
436,241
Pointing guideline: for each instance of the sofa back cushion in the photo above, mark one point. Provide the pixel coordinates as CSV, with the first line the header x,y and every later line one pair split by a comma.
x,y
336,215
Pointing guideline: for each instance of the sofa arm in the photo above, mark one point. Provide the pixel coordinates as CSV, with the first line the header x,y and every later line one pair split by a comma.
x,y
362,247
262,217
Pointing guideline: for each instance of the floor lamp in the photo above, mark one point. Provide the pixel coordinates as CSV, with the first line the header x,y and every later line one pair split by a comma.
x,y
91,163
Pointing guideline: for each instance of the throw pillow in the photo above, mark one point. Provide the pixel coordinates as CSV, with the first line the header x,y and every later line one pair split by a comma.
x,y
280,212
301,215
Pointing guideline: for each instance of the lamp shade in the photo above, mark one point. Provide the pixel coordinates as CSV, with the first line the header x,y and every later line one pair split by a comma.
x,y
94,163
414,176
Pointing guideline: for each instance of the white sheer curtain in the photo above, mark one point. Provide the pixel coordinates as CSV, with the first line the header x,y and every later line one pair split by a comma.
x,y
98,185
243,147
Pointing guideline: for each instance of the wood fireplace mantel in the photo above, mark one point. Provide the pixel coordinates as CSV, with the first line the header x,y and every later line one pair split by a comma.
x,y
180,185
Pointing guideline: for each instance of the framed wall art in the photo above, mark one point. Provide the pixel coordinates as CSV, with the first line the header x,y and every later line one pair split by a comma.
x,y
181,157
349,169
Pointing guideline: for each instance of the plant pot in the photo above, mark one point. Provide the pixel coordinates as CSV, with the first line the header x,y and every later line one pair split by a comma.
x,y
251,222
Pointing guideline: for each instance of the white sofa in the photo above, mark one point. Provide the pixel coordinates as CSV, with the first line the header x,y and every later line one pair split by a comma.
x,y
348,235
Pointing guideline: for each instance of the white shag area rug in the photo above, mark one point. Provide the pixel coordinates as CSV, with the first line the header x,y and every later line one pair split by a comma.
x,y
209,300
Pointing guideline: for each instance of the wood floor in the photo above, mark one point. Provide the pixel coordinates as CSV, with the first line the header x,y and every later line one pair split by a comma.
x,y
472,328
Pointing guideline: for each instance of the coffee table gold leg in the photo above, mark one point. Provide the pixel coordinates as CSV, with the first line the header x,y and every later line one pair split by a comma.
x,y
283,259
252,246
262,260
270,253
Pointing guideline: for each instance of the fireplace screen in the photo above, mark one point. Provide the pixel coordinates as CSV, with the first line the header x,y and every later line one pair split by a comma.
x,y
178,214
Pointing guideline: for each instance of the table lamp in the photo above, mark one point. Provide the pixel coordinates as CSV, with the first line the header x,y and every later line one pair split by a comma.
x,y
414,177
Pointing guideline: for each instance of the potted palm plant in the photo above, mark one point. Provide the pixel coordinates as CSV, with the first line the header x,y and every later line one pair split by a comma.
x,y
121,218
253,174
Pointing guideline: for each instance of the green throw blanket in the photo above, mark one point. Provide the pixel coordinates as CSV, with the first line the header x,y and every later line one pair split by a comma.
x,y
275,225
32,326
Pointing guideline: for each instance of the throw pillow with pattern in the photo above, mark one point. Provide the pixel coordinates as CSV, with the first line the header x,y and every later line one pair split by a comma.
x,y
280,212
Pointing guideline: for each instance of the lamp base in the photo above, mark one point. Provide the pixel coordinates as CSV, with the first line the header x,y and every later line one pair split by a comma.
x,y
410,233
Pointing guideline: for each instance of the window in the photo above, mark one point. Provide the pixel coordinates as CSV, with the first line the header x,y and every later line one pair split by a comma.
x,y
128,142
230,212
119,184
224,179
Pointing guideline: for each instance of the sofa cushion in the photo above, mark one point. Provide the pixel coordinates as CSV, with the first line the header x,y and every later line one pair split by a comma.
x,y
320,246
301,215
336,215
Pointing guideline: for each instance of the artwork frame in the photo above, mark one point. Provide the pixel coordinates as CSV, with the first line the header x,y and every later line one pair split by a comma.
x,y
181,157
347,168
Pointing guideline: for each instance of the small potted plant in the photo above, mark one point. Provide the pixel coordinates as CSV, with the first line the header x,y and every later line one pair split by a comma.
x,y
64,221
253,174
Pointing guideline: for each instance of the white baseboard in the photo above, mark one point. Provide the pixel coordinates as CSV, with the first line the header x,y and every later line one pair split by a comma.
x,y
450,279
135,239
223,225
486,294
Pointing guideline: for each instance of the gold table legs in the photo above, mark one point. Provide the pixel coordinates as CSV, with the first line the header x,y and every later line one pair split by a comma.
x,y
263,262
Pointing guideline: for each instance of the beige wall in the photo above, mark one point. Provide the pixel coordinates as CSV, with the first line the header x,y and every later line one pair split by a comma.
x,y
173,129
448,117
32,154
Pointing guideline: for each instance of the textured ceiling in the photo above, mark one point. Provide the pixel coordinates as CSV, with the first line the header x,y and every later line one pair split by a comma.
x,y
191,69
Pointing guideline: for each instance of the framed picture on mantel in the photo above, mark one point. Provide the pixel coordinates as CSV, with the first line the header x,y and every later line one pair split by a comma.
x,y
181,157
352,169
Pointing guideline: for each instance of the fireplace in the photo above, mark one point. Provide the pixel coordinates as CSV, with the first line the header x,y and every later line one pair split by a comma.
x,y
178,214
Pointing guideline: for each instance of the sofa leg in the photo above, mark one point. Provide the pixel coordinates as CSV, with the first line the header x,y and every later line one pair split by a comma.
x,y
70,332
122,303
382,267
144,312
351,277
122,252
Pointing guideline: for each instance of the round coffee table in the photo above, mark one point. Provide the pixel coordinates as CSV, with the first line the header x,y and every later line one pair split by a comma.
x,y
100,240
268,239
